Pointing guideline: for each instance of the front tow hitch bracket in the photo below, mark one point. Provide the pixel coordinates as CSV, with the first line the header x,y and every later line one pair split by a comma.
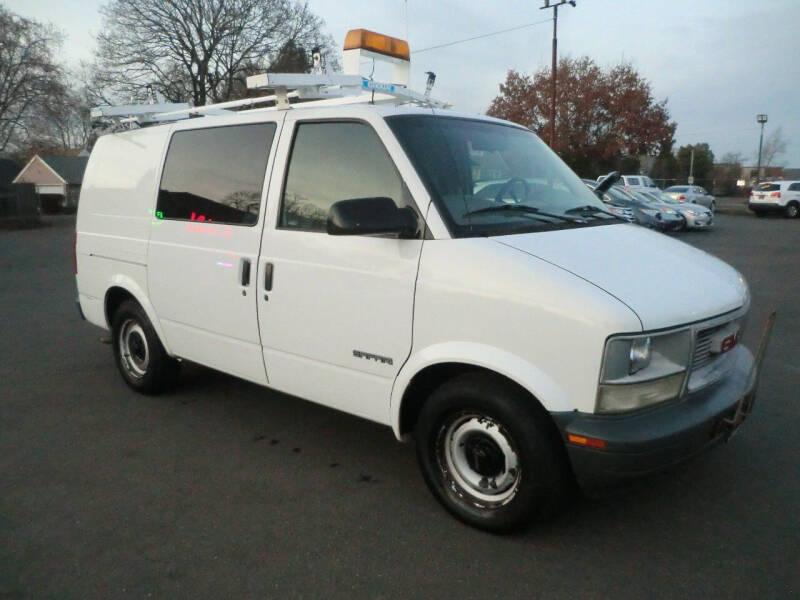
x,y
745,404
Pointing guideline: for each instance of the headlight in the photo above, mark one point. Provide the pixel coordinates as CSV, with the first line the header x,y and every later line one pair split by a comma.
x,y
669,211
692,213
643,370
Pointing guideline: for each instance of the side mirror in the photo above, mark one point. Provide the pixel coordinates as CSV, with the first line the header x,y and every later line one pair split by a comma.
x,y
370,216
607,182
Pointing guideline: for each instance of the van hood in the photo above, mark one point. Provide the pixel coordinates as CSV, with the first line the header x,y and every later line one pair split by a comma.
x,y
664,281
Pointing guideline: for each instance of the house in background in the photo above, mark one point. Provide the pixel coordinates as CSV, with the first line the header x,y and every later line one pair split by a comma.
x,y
57,179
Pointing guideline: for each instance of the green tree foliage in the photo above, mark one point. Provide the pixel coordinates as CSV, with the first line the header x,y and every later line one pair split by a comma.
x,y
726,173
605,118
703,168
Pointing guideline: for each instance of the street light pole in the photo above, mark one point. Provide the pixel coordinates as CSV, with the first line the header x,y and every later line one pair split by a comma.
x,y
554,67
760,119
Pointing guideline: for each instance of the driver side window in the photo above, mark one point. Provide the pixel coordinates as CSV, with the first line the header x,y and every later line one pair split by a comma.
x,y
333,161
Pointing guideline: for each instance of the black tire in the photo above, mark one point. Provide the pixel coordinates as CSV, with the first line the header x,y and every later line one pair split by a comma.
x,y
713,207
792,210
459,425
141,359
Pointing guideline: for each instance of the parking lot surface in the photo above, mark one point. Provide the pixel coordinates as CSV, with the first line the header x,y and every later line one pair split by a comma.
x,y
223,489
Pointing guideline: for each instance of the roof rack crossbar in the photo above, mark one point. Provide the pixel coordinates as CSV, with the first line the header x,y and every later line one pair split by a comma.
x,y
130,110
325,88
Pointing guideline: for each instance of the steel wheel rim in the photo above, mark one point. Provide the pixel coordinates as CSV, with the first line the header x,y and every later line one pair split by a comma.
x,y
478,460
793,211
133,349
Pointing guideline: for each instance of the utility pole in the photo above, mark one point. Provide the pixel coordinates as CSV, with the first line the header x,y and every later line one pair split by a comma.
x,y
554,6
691,167
760,119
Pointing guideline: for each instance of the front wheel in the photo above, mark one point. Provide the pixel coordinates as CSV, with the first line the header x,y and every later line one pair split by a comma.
x,y
141,359
713,206
489,454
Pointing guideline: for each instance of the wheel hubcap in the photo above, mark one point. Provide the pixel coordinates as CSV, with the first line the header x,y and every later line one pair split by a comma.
x,y
478,460
133,349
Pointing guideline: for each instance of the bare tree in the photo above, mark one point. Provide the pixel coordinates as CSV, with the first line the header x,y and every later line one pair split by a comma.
x,y
30,78
774,146
63,124
197,50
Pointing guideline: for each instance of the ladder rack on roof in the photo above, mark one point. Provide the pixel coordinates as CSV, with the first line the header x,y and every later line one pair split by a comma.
x,y
323,88
339,89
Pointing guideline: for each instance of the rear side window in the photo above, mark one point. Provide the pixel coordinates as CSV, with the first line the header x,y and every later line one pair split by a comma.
x,y
768,187
333,161
795,187
633,181
215,175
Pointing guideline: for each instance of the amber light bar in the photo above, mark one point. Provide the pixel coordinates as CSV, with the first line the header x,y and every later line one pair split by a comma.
x,y
377,42
586,441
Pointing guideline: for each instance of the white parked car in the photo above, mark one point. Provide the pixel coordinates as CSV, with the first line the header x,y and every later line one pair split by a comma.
x,y
638,183
776,196
338,251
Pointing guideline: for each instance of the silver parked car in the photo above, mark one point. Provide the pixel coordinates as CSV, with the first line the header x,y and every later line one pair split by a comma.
x,y
693,194
696,216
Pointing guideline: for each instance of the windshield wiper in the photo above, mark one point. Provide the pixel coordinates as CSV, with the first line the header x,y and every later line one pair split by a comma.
x,y
521,208
590,210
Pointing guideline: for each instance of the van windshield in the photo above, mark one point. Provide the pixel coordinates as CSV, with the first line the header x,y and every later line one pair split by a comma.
x,y
494,179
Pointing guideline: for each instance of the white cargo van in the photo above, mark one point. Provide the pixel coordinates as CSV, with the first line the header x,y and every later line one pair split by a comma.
x,y
441,273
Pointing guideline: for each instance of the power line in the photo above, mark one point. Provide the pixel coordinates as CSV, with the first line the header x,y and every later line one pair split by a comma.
x,y
478,37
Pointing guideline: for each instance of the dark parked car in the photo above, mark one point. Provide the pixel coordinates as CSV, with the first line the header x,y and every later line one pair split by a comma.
x,y
645,213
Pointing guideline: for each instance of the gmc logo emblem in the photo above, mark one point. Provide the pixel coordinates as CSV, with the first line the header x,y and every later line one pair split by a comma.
x,y
729,342
726,344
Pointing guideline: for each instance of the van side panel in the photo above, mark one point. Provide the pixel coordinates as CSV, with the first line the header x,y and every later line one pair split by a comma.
x,y
115,213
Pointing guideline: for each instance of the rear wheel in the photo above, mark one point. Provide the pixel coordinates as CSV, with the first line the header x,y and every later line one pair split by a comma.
x,y
489,454
792,210
141,359
713,206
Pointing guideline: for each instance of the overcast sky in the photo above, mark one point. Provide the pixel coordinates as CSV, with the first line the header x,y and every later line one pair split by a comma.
x,y
719,62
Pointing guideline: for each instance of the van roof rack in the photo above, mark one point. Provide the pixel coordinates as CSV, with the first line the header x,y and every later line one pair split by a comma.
x,y
317,88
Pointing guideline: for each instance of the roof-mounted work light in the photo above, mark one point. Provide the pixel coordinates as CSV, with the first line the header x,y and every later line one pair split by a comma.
x,y
364,43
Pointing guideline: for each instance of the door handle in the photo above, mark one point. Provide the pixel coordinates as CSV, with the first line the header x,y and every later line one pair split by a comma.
x,y
245,272
268,277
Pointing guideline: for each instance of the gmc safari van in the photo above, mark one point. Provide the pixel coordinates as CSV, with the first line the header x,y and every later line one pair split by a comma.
x,y
444,274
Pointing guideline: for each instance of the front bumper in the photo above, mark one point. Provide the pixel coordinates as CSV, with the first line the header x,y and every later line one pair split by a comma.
x,y
703,221
651,440
765,206
674,224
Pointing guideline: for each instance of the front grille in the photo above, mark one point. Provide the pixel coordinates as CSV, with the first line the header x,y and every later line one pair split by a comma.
x,y
706,368
702,348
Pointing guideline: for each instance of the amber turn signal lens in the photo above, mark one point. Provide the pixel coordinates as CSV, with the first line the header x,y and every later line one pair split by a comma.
x,y
376,42
586,441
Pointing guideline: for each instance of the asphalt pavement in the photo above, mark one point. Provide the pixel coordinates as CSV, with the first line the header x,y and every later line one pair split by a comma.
x,y
223,489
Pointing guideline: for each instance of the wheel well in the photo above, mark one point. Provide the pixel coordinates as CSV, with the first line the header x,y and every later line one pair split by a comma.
x,y
114,297
426,381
